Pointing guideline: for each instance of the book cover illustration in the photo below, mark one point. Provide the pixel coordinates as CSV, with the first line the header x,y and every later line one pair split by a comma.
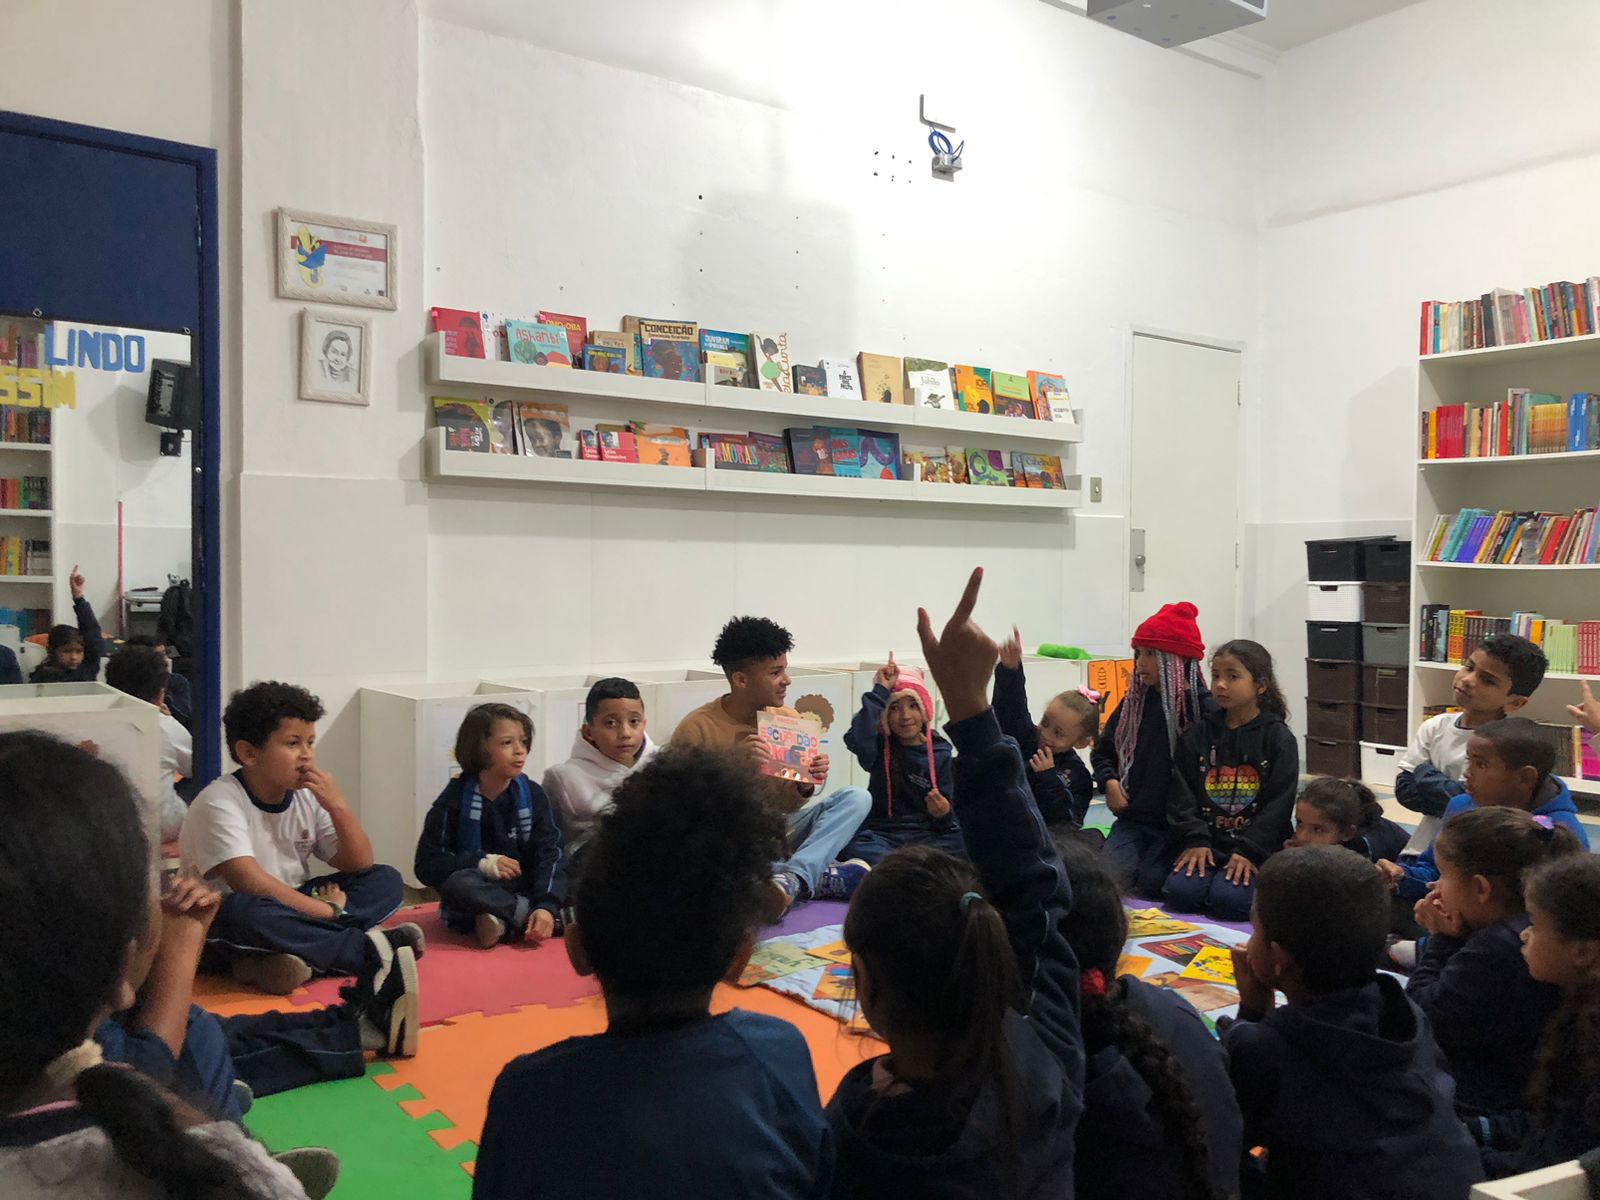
x,y
1011,396
880,378
925,372
1182,950
728,369
935,467
843,382
771,453
972,389
502,426
880,455
617,445
914,465
664,359
495,344
589,445
628,343
987,467
810,450
838,982
465,424
654,329
1152,922
939,396
542,429
539,345
834,952
1133,964
810,381
606,359
662,445
1019,471
845,445
957,458
774,960
577,332
1037,475
1214,964
769,355
1050,399
1050,472
463,331
1206,997
716,341
791,743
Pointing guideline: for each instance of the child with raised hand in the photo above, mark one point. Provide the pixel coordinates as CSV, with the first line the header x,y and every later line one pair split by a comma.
x,y
1343,812
1561,946
1133,760
669,1100
71,1124
1159,1116
1238,767
892,736
1061,784
1343,1088
490,844
1488,1013
73,653
967,973
610,745
1587,714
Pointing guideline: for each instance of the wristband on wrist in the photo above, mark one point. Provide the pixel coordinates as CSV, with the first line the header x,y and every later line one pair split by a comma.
x,y
338,910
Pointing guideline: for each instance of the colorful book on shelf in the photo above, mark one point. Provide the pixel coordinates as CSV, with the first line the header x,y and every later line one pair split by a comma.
x,y
772,453
880,454
577,332
589,445
462,329
972,389
534,343
809,381
845,447
1011,397
929,466
957,458
665,358
987,467
727,451
843,381
661,445
769,355
654,329
1019,472
502,426
616,444
607,359
810,450
542,429
928,384
726,369
628,343
1050,399
496,345
1051,474
717,341
465,424
880,378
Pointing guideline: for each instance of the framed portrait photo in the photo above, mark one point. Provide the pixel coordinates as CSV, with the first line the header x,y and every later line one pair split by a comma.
x,y
335,260
335,357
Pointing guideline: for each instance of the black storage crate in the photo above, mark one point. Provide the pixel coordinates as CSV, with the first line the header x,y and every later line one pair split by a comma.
x,y
1341,560
1386,561
1329,679
1339,640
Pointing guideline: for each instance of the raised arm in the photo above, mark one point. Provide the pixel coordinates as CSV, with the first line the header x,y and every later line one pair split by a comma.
x,y
862,738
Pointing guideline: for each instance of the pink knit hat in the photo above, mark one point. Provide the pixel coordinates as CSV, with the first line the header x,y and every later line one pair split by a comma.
x,y
908,684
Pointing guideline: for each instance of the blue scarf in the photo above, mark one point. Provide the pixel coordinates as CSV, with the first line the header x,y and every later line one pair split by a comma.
x,y
469,818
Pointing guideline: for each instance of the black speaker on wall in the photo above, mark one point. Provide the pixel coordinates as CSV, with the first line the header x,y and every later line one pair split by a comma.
x,y
173,401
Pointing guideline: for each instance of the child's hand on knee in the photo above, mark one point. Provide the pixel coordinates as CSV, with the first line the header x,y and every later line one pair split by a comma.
x,y
540,926
1239,871
509,867
1196,858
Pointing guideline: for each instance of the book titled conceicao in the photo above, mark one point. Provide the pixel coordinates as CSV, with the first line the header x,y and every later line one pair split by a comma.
x,y
791,743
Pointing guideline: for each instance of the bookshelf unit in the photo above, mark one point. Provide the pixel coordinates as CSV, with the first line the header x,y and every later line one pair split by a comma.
x,y
1556,482
708,406
37,591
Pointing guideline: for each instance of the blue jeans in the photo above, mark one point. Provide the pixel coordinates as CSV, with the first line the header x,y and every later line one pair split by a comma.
x,y
819,830
260,925
1213,894
873,845
1140,857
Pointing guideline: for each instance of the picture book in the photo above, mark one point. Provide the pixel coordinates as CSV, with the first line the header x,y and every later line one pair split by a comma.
x,y
1050,399
1011,396
810,381
843,382
726,451
463,331
1037,476
715,341
914,465
661,445
1050,472
589,445
1133,964
774,960
838,982
957,458
772,454
1206,997
728,369
845,446
934,464
495,343
667,359
880,455
577,332
880,378
926,372
605,358
1214,964
936,395
972,389
835,952
465,424
542,428
1019,471
502,426
769,356
655,330
987,467
1151,922
1014,408
810,450
1182,950
616,445
535,344
790,742
628,343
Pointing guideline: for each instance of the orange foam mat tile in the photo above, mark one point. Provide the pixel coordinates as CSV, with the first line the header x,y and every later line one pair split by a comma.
x,y
220,995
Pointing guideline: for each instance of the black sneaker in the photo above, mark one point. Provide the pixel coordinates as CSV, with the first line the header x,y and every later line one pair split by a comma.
x,y
392,1009
408,934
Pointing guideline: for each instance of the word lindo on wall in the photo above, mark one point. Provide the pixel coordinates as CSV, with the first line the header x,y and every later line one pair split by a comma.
x,y
95,350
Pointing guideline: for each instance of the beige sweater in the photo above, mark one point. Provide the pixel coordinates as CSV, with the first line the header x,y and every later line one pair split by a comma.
x,y
710,725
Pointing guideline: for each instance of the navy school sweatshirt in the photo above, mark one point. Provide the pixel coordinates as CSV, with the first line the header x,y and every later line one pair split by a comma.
x,y
544,865
1062,792
1350,1097
1149,780
89,669
911,1144
865,739
1236,787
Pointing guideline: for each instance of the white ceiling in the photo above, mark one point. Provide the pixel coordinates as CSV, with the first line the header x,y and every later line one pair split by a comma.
x,y
1292,23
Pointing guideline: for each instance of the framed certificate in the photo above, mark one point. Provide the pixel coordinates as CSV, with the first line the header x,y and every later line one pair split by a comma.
x,y
335,260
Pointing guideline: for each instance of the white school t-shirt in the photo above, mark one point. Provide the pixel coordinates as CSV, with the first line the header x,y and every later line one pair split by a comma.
x,y
223,823
1442,741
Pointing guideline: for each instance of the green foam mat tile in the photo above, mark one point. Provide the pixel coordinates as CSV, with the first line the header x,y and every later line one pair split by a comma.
x,y
383,1153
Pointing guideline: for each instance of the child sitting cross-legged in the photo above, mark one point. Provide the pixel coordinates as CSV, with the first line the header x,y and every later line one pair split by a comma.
x,y
893,737
611,744
1343,812
490,844
669,1100
1344,1087
1488,1013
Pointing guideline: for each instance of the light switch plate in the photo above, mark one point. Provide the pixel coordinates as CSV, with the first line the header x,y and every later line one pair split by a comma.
x,y
1094,489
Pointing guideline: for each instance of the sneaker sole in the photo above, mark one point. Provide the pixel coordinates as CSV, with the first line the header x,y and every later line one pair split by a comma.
x,y
386,954
403,1028
415,938
275,974
484,925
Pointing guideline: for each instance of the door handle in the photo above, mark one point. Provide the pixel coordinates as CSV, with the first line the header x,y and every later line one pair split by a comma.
x,y
1136,569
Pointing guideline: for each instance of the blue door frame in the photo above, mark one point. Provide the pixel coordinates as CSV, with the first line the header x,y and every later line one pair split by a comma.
x,y
113,229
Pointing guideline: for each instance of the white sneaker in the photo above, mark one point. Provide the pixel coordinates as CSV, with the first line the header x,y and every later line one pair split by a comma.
x,y
1404,955
491,930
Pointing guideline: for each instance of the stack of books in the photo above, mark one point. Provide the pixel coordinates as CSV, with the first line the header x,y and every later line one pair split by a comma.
x,y
1479,535
1449,635
1507,317
1523,423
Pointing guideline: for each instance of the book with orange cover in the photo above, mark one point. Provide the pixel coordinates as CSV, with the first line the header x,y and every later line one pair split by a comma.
x,y
972,389
662,445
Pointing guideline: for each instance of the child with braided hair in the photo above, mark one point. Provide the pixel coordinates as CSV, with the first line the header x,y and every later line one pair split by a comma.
x,y
1133,760
1159,1119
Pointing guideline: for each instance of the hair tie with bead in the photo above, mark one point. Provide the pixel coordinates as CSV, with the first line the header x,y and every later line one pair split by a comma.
x,y
1094,984
966,901
1545,825
1089,694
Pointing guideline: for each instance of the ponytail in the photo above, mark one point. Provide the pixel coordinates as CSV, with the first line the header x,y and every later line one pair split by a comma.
x,y
980,988
1345,802
139,1119
1502,844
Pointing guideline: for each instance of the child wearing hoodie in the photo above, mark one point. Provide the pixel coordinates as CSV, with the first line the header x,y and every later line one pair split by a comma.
x,y
1061,784
1342,812
611,744
892,736
490,844
1133,760
1344,1087
1231,805
1487,1012
967,973
73,653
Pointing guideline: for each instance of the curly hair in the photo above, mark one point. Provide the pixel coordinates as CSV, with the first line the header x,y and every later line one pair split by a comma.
x,y
1329,909
1097,927
1567,891
254,713
703,804
747,640
140,671
1085,709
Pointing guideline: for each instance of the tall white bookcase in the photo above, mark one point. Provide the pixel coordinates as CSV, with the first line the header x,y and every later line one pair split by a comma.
x,y
18,459
1553,482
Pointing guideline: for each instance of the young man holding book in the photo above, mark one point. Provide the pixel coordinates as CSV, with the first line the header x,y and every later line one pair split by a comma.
x,y
753,653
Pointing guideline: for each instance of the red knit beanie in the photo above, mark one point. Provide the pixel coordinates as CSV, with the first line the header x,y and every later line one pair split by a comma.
x,y
1174,630
905,686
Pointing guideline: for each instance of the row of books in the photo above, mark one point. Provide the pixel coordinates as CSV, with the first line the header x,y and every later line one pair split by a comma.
x,y
24,556
666,349
28,621
1509,317
1575,758
22,343
1480,535
30,425
1449,635
1523,423
29,491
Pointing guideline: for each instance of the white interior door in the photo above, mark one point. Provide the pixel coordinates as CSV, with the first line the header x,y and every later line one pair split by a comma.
x,y
1185,481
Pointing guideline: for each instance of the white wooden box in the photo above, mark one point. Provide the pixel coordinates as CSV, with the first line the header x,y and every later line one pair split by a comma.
x,y
1562,1182
1380,764
1333,602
